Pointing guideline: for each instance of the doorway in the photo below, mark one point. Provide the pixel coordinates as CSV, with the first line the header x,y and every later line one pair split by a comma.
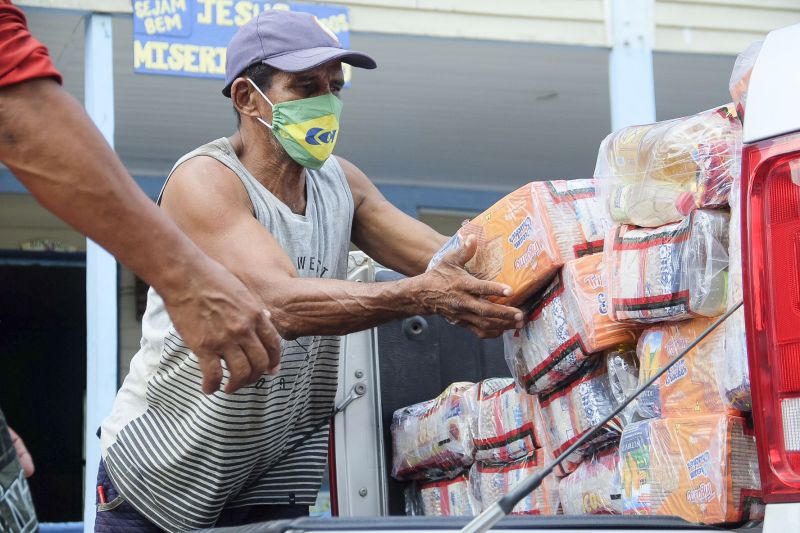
x,y
43,372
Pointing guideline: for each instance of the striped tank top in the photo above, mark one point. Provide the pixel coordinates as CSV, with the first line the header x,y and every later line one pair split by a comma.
x,y
179,456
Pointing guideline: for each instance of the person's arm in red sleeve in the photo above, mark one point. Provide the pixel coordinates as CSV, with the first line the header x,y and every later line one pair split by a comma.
x,y
51,145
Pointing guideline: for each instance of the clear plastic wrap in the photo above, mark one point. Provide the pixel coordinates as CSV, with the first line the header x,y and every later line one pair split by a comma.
x,y
586,304
515,245
690,387
503,421
448,497
433,439
622,366
669,273
548,349
576,216
740,77
656,174
702,469
734,373
493,481
567,465
594,487
571,410
569,322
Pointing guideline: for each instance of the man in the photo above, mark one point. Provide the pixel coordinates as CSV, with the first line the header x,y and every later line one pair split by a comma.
x,y
51,145
272,205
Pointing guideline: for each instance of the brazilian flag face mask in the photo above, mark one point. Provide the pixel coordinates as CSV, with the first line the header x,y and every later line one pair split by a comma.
x,y
306,128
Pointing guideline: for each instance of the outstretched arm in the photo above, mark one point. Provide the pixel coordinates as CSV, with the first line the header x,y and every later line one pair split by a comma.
x,y
51,145
208,202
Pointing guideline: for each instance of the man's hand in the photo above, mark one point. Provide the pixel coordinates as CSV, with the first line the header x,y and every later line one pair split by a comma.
x,y
218,318
24,458
452,292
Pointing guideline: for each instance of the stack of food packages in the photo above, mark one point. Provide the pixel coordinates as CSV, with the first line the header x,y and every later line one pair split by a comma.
x,y
467,448
617,276
674,262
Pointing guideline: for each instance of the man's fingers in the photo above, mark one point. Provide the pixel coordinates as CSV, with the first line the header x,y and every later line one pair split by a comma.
x,y
465,252
271,340
256,354
211,367
23,456
489,288
239,369
488,310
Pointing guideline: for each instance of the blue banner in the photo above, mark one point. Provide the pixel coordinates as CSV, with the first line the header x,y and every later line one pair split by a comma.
x,y
189,37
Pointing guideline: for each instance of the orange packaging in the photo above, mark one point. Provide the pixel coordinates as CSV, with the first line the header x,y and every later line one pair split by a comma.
x,y
703,469
515,245
586,305
691,387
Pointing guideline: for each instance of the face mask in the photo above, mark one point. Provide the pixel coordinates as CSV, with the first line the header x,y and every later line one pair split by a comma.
x,y
306,128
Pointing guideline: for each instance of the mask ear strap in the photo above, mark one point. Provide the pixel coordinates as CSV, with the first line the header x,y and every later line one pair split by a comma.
x,y
261,120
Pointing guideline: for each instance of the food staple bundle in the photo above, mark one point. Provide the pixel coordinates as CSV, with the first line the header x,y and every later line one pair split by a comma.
x,y
575,215
656,174
569,322
515,245
690,387
447,497
433,439
503,421
669,273
493,481
594,487
702,468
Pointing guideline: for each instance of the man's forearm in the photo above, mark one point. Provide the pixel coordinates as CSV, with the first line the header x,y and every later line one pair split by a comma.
x,y
310,306
83,183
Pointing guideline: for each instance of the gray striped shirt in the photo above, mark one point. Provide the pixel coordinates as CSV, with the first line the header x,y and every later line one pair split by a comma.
x,y
179,456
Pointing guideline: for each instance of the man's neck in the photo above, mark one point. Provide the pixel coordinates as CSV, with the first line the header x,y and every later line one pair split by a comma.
x,y
274,169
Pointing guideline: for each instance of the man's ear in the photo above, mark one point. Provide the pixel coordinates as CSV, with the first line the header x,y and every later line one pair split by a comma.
x,y
244,96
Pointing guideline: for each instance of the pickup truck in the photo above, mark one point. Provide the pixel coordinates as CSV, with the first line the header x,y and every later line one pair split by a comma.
x,y
412,360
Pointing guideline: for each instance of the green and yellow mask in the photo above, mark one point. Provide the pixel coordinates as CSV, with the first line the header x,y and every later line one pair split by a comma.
x,y
306,128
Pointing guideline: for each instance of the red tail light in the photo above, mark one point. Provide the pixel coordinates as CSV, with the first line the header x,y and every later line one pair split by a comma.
x,y
771,255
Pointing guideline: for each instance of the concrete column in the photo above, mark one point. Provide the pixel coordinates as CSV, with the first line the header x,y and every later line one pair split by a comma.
x,y
630,65
101,268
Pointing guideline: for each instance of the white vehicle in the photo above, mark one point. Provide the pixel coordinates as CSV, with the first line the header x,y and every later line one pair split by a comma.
x,y
412,360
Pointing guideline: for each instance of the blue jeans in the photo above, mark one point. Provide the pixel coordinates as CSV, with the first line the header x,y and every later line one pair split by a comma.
x,y
118,516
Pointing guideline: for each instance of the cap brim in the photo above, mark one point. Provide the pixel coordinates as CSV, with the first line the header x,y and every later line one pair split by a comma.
x,y
309,58
313,57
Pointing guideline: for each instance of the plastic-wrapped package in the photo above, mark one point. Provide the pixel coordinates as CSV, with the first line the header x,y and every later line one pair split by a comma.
x,y
622,365
669,273
576,216
448,497
690,387
656,174
571,410
569,322
594,487
586,304
734,373
702,469
493,481
548,349
515,245
433,439
565,466
503,421
740,77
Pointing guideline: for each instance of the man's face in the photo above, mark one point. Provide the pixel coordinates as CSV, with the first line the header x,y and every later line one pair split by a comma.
x,y
325,79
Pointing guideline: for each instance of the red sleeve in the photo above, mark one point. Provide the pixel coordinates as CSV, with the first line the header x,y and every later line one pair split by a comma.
x,y
22,57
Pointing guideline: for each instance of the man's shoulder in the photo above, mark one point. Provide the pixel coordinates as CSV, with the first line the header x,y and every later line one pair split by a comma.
x,y
201,175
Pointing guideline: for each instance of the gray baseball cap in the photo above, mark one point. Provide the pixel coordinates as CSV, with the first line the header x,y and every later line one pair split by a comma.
x,y
290,41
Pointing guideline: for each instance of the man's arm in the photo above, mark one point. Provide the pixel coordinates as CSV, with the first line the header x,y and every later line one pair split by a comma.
x,y
385,233
208,202
51,145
